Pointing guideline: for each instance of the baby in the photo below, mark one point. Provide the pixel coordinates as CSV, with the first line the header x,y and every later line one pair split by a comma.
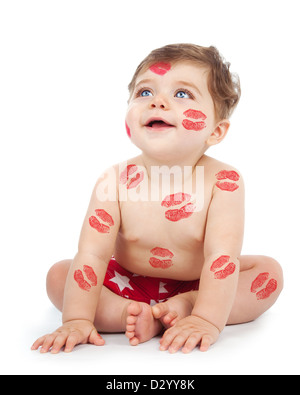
x,y
160,246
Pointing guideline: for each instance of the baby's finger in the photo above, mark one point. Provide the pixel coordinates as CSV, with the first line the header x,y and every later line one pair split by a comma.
x,y
38,342
206,342
49,339
191,342
177,343
58,343
71,342
168,338
96,338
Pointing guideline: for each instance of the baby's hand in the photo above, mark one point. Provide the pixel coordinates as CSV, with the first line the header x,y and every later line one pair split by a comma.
x,y
188,333
71,333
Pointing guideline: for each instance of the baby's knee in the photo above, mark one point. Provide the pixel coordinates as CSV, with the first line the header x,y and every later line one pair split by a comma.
x,y
274,269
56,278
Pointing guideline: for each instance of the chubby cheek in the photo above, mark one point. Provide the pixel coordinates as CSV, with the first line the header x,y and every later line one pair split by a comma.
x,y
127,130
194,120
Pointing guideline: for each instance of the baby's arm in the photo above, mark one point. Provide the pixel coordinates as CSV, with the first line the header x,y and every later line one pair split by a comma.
x,y
219,277
85,277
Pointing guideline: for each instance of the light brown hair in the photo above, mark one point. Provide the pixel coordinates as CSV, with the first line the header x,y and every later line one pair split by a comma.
x,y
223,85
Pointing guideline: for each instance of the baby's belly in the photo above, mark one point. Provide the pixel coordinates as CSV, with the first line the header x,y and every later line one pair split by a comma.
x,y
179,261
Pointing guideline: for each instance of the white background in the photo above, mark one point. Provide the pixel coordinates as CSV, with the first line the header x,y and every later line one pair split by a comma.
x,y
64,70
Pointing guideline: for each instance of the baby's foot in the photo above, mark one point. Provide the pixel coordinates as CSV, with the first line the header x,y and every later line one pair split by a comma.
x,y
172,310
141,325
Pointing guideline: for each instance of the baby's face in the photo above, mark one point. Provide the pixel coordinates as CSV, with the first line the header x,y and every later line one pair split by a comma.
x,y
171,112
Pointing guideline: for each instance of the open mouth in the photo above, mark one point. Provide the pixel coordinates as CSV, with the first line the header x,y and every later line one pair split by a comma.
x,y
156,124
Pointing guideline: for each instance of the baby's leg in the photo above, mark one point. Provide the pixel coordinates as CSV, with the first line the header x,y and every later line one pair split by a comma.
x,y
260,283
114,313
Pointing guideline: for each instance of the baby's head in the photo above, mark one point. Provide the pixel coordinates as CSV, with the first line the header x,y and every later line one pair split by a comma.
x,y
181,97
224,87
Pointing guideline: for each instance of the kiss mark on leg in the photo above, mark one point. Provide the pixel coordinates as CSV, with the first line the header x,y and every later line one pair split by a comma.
x,y
259,281
160,68
105,217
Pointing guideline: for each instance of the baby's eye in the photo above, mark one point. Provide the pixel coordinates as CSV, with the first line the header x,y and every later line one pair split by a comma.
x,y
184,94
145,93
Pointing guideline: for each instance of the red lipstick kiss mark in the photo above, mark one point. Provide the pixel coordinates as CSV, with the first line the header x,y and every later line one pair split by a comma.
x,y
195,114
227,271
268,290
176,199
190,125
127,130
105,217
231,175
160,68
134,181
227,174
227,186
90,274
161,263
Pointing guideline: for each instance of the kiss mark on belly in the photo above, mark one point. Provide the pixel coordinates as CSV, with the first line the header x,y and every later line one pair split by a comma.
x,y
161,263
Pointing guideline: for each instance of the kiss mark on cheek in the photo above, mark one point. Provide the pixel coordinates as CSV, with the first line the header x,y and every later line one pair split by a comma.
x,y
161,263
105,217
160,68
135,180
259,282
190,125
181,213
195,114
127,130
91,276
218,263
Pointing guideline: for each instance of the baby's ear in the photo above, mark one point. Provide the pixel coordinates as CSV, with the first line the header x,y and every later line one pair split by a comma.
x,y
219,132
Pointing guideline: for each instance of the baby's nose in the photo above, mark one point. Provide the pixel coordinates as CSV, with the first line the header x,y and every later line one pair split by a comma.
x,y
159,102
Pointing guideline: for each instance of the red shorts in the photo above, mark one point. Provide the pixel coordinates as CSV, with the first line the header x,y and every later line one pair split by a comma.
x,y
150,290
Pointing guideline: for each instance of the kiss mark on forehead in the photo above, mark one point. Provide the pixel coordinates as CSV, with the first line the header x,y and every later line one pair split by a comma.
x,y
160,68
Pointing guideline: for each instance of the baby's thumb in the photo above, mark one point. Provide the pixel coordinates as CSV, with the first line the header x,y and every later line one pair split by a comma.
x,y
96,338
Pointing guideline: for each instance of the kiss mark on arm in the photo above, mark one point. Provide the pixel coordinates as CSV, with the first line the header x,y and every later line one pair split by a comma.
x,y
105,217
218,263
226,185
91,276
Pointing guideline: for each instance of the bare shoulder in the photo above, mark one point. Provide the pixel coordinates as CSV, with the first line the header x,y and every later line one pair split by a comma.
x,y
223,175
